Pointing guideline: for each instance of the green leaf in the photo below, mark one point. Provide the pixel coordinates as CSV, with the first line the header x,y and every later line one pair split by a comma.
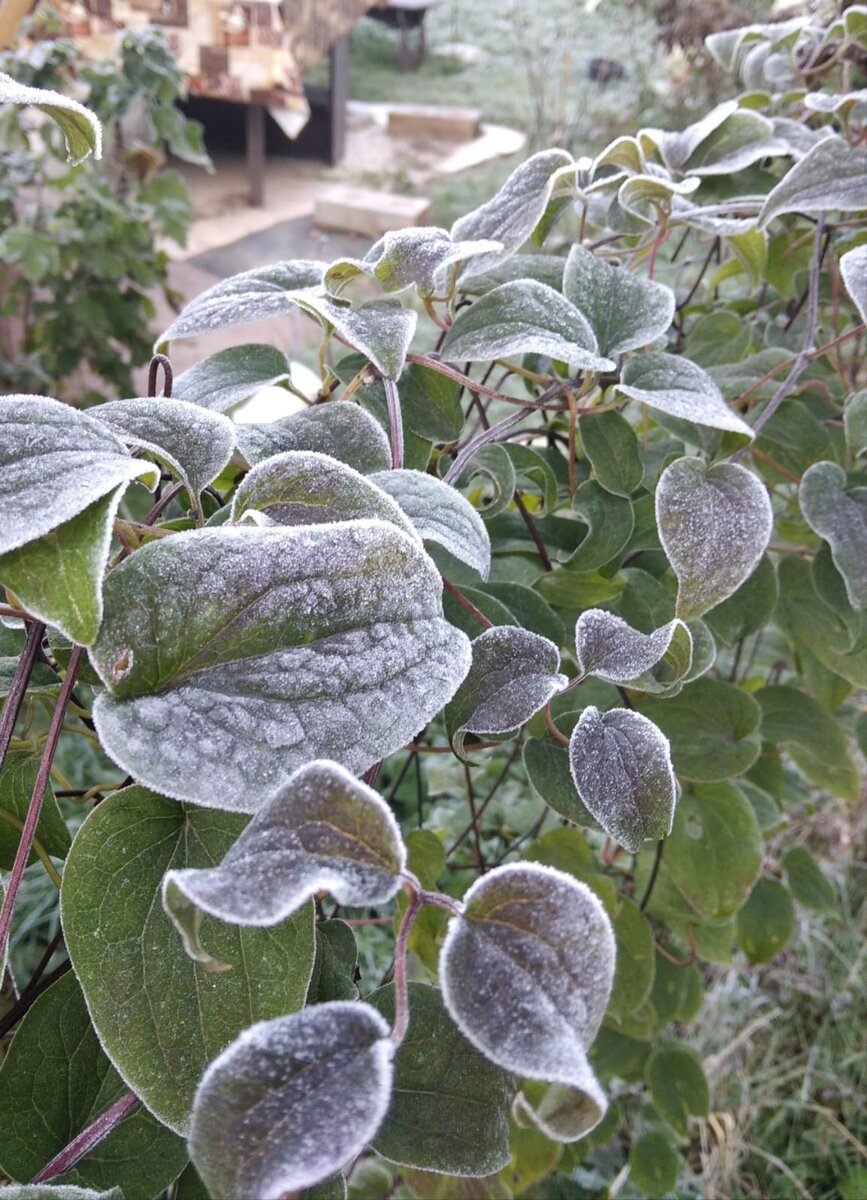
x,y
225,379
251,296
807,883
677,1085
621,767
43,678
291,1101
714,524
303,487
810,623
439,513
575,590
17,781
533,472
81,130
715,850
58,577
624,310
674,991
633,976
56,1080
381,329
607,646
524,317
747,610
562,1113
427,1185
547,765
194,444
712,727
766,922
495,465
160,1017
653,1165
335,967
674,385
529,609
419,258
853,268
430,403
526,973
829,178
322,830
610,444
718,338
342,431
855,422
450,1106
426,856
513,674
611,521
238,646
724,140
790,716
840,518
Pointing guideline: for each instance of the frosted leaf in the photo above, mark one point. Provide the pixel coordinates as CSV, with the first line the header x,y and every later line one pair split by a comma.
x,y
841,519
624,310
524,317
726,140
621,768
544,268
341,430
233,656
681,388
250,296
54,462
323,830
418,258
193,443
513,213
564,1113
381,330
57,1191
607,646
227,378
513,674
292,1100
302,487
526,973
80,127
829,178
440,514
853,268
829,102
714,524
641,192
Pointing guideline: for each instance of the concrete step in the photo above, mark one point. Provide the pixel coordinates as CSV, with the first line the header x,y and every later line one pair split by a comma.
x,y
434,121
363,210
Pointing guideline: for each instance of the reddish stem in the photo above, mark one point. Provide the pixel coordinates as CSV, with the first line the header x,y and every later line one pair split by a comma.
x,y
88,1138
18,690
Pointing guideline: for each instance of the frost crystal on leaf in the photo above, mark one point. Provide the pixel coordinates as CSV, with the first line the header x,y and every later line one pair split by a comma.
x,y
342,431
440,514
526,973
830,176
609,647
418,258
225,379
624,310
853,268
714,524
681,388
323,830
621,766
841,519
291,1101
382,329
80,127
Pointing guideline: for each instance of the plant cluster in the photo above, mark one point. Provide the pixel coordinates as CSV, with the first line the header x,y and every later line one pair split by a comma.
x,y
594,531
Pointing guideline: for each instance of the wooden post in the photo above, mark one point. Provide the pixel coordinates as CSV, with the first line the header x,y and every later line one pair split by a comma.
x,y
256,153
338,94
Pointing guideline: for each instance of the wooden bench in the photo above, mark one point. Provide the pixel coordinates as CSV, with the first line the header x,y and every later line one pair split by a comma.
x,y
434,121
365,211
407,17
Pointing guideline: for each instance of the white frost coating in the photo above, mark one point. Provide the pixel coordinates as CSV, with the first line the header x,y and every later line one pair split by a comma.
x,y
79,126
624,310
323,830
439,513
249,296
291,1101
714,524
726,139
524,317
194,443
609,647
57,1191
273,646
418,258
54,462
830,176
227,378
853,268
841,519
564,1113
514,212
526,972
382,330
303,487
682,388
621,767
341,430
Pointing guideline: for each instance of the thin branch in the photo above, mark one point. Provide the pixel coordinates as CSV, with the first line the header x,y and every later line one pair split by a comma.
x,y
471,385
651,883
534,532
18,690
472,448
88,1138
467,604
395,421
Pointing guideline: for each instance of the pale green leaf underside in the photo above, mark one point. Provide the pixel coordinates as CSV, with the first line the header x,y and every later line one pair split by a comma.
x,y
439,513
274,646
81,130
341,430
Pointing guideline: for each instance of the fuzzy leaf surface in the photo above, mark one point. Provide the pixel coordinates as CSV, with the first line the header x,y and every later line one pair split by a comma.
x,y
227,378
609,647
381,329
418,258
853,268
291,1100
624,310
829,178
439,513
343,431
840,517
680,388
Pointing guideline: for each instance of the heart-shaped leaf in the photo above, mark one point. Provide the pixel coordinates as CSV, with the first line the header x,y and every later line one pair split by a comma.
x,y
611,446
262,658
381,330
526,973
853,268
609,647
621,767
524,317
302,487
342,431
323,830
841,519
439,513
225,379
624,310
712,727
681,388
611,520
81,130
291,1101
193,443
513,674
714,524
830,177
418,258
